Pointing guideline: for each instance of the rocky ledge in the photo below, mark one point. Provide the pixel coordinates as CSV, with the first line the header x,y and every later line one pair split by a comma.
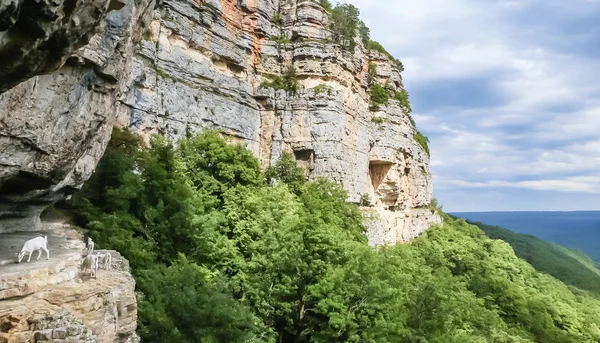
x,y
51,301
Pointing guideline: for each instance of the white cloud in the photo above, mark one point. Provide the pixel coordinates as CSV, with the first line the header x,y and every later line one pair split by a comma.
x,y
543,133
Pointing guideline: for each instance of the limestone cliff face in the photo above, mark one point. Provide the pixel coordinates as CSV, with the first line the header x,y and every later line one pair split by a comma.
x,y
52,301
201,66
54,127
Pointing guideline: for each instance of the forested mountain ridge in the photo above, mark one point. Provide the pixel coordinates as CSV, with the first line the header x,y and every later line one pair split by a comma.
x,y
570,266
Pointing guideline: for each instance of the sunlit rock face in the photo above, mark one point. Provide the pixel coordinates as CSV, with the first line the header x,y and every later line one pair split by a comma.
x,y
54,127
201,66
184,66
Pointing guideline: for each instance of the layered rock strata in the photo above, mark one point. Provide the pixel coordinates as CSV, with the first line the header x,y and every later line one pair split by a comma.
x,y
52,301
202,64
54,127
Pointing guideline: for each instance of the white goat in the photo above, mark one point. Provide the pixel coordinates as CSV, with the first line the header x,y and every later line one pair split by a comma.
x,y
39,244
90,246
90,262
105,260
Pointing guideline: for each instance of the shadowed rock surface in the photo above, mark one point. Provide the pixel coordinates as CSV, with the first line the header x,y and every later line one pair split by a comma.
x,y
36,37
54,128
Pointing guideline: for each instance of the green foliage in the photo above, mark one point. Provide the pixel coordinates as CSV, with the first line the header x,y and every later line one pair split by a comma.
x,y
373,45
372,70
423,141
183,302
379,95
365,200
322,88
287,82
277,19
378,120
571,267
219,255
435,206
363,32
344,23
325,4
402,97
287,171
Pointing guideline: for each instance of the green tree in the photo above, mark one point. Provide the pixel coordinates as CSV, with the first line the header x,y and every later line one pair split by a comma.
x,y
183,303
344,23
215,166
261,263
287,171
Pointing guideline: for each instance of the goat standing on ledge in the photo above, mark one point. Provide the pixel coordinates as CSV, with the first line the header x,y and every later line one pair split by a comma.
x,y
90,262
90,246
105,260
39,244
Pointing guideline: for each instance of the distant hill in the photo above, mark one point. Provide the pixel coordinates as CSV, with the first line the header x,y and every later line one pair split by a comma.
x,y
570,266
572,229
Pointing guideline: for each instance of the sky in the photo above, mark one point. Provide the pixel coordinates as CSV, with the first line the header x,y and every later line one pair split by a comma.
x,y
508,92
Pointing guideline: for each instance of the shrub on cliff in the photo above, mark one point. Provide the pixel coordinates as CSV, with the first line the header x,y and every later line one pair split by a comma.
x,y
326,4
402,97
423,141
379,95
288,81
373,45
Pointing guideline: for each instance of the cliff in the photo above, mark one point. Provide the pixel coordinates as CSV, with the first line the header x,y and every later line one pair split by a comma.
x,y
54,127
201,66
50,300
208,64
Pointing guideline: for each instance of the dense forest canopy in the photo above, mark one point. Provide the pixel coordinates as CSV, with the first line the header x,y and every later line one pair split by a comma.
x,y
220,254
570,266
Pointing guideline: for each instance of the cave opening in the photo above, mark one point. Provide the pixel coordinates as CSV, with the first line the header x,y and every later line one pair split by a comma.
x,y
305,159
378,171
24,182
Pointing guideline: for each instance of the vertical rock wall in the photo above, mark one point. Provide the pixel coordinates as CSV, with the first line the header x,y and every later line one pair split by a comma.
x,y
54,127
201,66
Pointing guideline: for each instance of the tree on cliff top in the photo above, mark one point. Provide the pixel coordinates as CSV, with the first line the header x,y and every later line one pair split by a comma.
x,y
344,21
